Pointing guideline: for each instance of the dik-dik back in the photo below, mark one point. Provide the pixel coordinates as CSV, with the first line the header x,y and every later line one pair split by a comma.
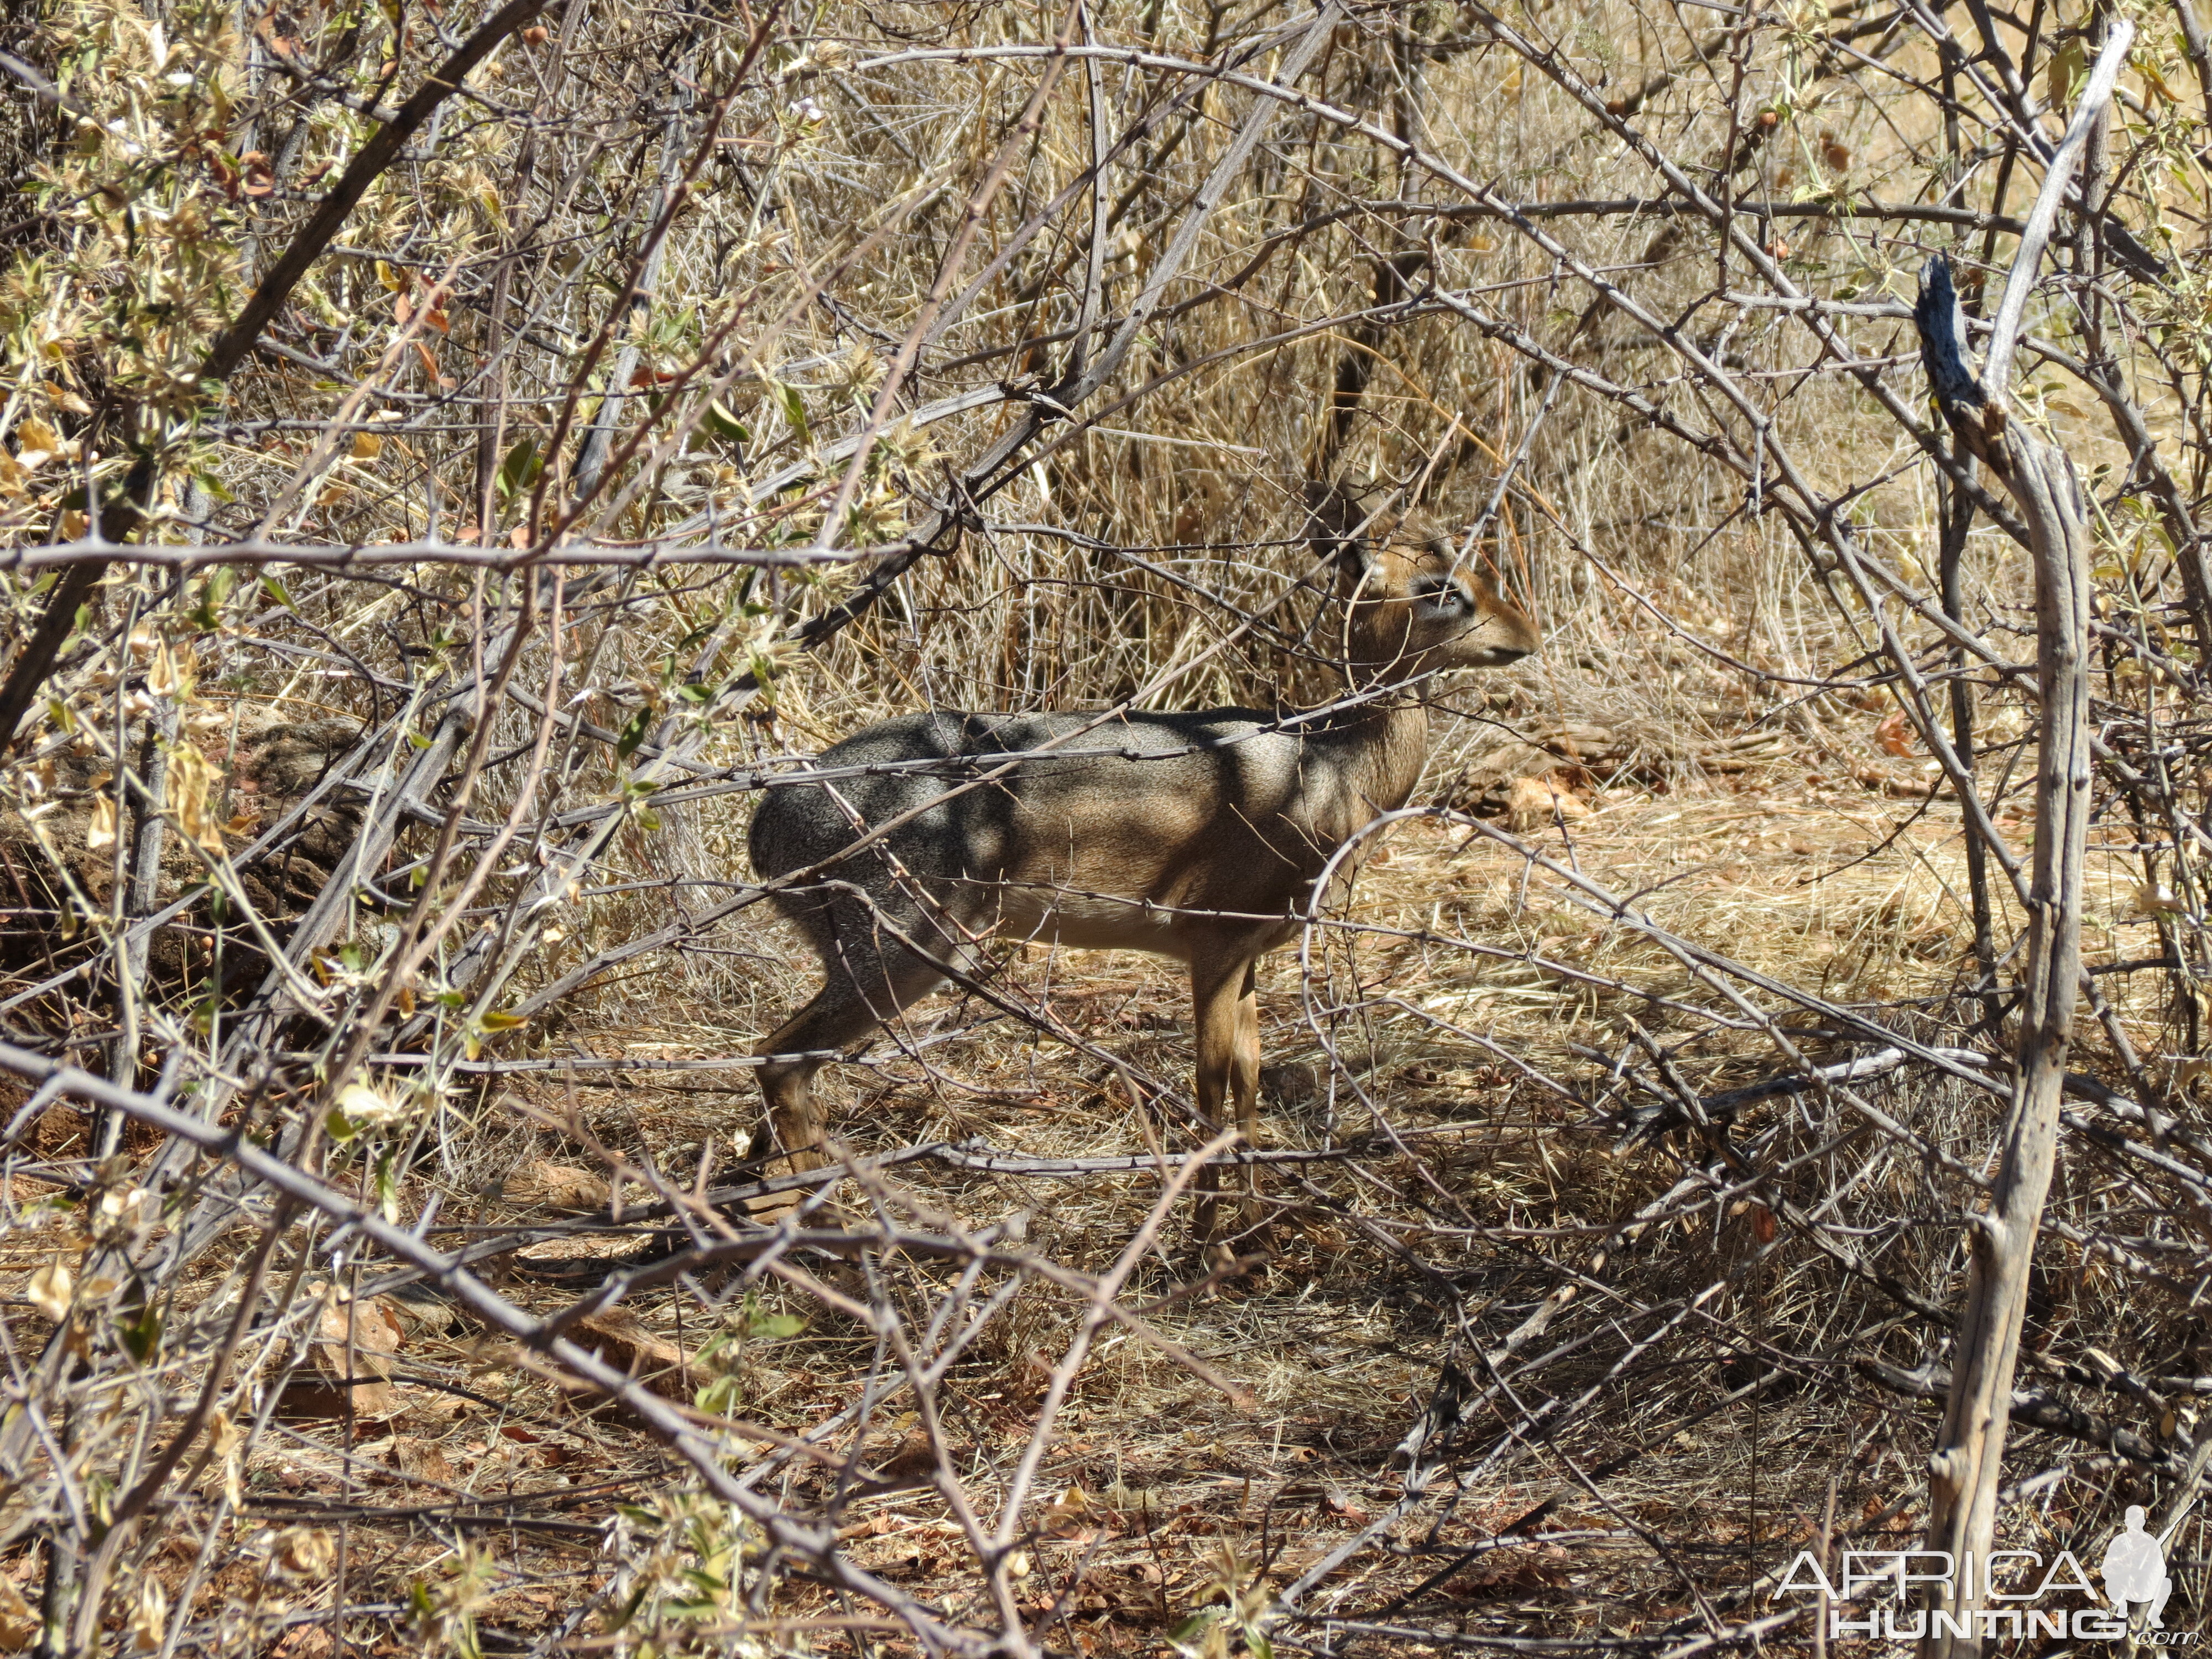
x,y
1192,835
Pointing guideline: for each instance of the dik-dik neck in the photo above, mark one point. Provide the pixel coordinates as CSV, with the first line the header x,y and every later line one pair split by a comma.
x,y
1364,762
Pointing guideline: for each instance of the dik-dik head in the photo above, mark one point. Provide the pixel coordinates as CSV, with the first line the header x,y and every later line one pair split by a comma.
x,y
1414,609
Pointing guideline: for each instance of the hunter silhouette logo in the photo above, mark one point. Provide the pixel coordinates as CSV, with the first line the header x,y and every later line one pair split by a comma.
x,y
2134,1568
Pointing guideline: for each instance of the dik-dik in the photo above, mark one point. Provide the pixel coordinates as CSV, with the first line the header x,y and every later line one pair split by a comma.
x,y
1197,836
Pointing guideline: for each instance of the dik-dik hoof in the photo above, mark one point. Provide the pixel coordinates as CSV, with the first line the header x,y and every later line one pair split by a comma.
x,y
1234,1233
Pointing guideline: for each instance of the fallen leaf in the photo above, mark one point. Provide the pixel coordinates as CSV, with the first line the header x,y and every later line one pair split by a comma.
x,y
1535,803
19,1625
555,1187
366,1334
36,443
304,1552
622,1341
1894,736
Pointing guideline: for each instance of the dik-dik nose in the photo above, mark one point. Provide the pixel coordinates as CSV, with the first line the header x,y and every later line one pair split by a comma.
x,y
1502,632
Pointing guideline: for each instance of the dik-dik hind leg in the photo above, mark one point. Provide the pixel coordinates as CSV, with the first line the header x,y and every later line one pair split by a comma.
x,y
839,1016
1224,998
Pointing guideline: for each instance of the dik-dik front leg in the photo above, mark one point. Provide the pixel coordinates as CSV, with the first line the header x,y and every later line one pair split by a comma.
x,y
1224,999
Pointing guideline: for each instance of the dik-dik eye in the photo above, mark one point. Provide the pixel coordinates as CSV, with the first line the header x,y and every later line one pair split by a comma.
x,y
1443,595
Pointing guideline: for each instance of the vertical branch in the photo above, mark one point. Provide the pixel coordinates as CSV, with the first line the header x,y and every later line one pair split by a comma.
x,y
1966,1465
1958,511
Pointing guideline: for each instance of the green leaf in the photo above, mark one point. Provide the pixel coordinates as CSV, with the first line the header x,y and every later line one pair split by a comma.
x,y
387,1183
778,1328
722,1396
794,409
143,1336
339,1127
725,426
634,733
277,592
497,1019
520,470
2068,65
207,615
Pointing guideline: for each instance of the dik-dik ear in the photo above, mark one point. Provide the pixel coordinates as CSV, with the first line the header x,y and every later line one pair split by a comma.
x,y
1337,526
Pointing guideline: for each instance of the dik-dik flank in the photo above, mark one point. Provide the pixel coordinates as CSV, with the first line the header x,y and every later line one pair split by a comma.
x,y
1197,836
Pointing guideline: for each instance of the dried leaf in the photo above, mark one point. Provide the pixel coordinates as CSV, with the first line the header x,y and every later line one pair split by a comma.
x,y
1894,736
304,1552
149,1618
19,1625
175,670
191,795
36,443
622,1341
99,834
49,1291
546,1185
